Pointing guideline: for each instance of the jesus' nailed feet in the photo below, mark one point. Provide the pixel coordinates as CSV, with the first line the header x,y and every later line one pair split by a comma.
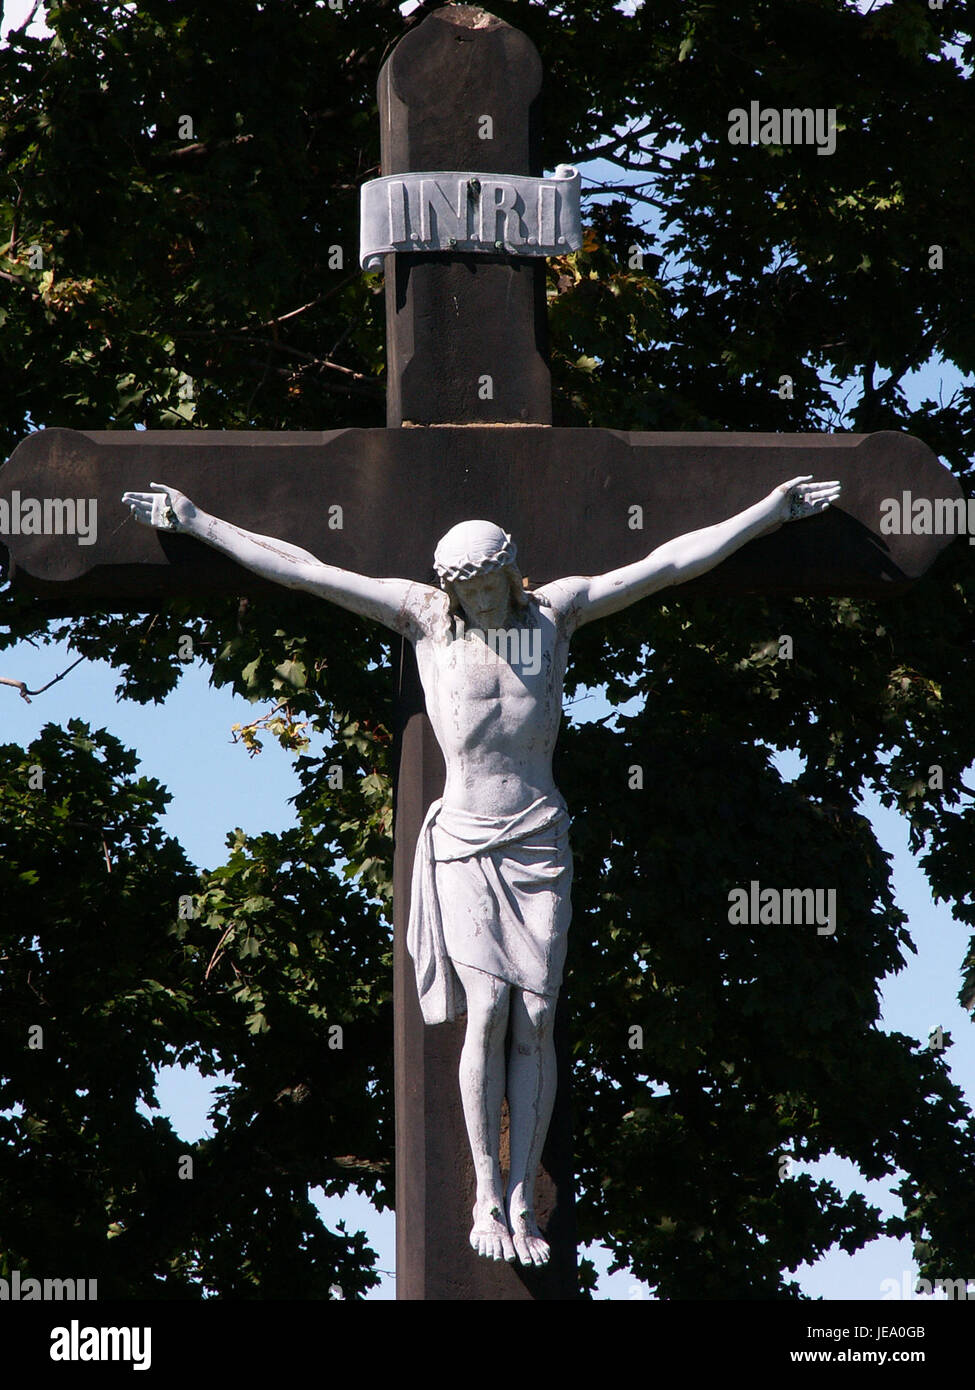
x,y
518,1237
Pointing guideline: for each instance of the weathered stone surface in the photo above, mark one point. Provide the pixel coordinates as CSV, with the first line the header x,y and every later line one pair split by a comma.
x,y
466,335
287,484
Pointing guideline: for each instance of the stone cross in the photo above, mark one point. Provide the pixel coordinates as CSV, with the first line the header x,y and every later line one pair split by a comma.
x,y
469,433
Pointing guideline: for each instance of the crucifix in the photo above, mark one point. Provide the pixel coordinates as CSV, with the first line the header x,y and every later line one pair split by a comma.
x,y
463,222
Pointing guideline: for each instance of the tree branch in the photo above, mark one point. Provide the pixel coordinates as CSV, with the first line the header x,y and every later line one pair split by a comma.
x,y
25,694
200,148
293,313
29,20
217,952
16,279
614,143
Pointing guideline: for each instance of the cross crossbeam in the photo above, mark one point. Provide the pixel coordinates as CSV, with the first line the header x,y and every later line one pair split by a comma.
x,y
619,495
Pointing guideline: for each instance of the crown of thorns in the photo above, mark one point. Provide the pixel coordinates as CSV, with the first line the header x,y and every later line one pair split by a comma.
x,y
469,564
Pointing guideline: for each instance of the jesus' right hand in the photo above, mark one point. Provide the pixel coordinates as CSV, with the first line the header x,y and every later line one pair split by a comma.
x,y
165,507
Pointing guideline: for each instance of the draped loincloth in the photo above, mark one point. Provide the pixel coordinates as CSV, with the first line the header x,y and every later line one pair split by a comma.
x,y
492,893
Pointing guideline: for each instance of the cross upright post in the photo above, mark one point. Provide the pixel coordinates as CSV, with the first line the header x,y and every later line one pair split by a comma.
x,y
468,434
461,91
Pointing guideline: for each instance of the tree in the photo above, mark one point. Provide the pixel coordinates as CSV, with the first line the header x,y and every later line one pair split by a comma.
x,y
180,223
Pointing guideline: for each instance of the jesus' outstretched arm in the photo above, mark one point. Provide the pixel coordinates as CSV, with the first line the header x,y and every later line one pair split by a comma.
x,y
397,603
583,598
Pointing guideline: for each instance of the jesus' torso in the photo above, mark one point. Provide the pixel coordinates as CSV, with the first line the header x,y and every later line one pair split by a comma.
x,y
494,700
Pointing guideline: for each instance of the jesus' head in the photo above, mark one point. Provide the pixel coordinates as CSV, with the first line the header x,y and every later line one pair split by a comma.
x,y
476,564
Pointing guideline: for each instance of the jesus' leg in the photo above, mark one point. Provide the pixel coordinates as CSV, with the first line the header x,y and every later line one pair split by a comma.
x,y
482,1089
531,1095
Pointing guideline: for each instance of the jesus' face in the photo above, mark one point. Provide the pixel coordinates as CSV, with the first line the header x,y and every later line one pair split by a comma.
x,y
485,598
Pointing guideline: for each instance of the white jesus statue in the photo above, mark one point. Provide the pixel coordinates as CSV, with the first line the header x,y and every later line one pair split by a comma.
x,y
490,903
